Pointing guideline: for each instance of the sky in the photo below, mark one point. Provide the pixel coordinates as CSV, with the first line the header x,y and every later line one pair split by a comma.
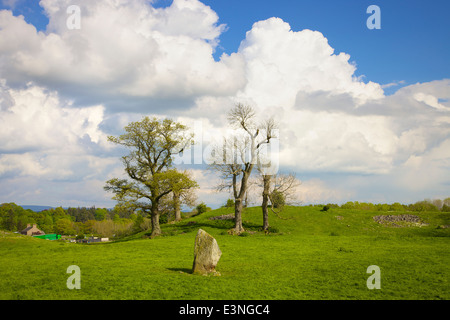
x,y
364,114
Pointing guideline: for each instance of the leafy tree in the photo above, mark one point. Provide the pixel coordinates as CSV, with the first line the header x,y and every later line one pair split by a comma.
x,y
348,205
446,202
278,199
182,191
422,206
379,207
100,214
152,144
14,217
58,213
64,226
89,226
230,203
397,207
138,223
10,221
80,237
438,203
116,218
201,208
46,224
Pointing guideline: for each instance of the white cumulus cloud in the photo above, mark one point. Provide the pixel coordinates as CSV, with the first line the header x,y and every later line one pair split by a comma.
x,y
123,50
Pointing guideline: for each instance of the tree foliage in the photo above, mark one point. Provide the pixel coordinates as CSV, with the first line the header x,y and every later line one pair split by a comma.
x,y
69,221
152,143
201,208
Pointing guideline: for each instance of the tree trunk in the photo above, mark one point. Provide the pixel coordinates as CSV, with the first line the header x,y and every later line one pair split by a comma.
x,y
266,190
238,228
156,229
246,200
177,206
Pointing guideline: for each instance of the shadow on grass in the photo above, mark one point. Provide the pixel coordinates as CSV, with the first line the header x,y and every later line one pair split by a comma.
x,y
193,226
181,270
188,226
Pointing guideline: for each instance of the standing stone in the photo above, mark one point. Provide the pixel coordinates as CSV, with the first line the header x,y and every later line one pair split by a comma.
x,y
206,253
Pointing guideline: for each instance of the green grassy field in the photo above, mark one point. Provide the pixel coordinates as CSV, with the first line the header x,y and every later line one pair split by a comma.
x,y
310,255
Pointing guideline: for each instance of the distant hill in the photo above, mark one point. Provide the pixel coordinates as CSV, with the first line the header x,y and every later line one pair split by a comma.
x,y
41,208
37,208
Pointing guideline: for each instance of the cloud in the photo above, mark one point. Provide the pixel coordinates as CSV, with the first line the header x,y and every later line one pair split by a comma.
x,y
430,100
317,191
63,91
427,171
50,152
35,118
392,84
280,63
124,50
41,135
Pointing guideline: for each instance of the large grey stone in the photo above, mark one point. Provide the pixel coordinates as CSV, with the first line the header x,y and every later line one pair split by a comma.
x,y
206,253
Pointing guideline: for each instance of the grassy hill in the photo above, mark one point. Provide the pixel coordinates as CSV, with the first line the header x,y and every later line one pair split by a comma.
x,y
310,254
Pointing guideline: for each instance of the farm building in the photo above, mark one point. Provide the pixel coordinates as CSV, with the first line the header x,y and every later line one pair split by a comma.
x,y
31,230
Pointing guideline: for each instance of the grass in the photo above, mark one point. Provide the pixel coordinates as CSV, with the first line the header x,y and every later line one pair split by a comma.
x,y
313,255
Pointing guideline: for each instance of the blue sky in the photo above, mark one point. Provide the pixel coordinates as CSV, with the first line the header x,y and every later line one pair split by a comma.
x,y
372,124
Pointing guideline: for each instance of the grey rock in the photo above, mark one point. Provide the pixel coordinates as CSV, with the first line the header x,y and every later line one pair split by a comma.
x,y
206,254
401,220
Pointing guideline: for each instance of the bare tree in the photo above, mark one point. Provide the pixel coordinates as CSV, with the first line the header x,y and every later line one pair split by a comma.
x,y
238,155
277,187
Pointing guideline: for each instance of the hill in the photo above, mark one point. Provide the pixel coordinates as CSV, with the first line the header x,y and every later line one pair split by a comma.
x,y
36,208
308,255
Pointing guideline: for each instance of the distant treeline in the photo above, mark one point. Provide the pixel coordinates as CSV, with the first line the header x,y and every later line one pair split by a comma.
x,y
120,222
420,206
73,221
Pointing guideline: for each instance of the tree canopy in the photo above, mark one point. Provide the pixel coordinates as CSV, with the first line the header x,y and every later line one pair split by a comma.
x,y
149,165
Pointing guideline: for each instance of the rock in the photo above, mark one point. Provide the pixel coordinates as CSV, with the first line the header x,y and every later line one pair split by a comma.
x,y
206,253
401,220
223,217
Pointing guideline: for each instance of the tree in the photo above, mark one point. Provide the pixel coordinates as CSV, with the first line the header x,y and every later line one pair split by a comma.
x,y
10,223
182,193
230,203
278,189
100,214
152,144
138,223
47,224
58,213
201,208
438,203
237,156
64,226
422,206
278,199
446,202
